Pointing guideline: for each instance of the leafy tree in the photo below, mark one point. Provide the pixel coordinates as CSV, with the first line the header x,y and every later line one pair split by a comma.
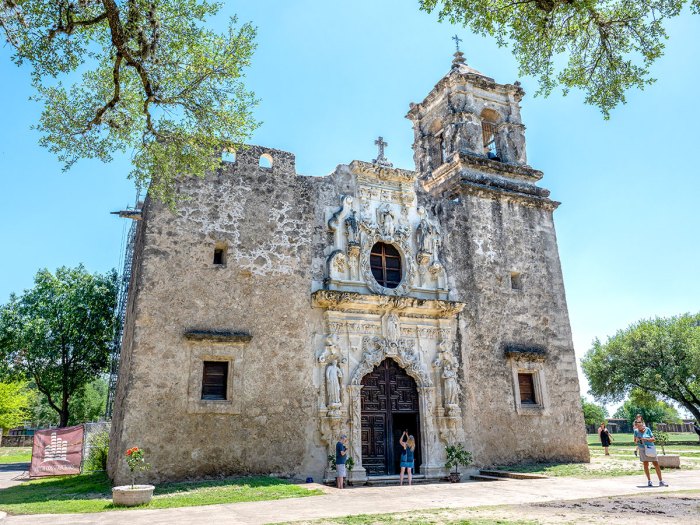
x,y
593,414
659,356
86,404
153,81
651,409
15,402
608,45
59,333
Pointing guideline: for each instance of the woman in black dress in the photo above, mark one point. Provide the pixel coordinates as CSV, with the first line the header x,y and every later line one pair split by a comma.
x,y
605,437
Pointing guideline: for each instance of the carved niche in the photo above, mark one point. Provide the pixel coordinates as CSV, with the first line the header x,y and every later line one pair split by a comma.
x,y
384,209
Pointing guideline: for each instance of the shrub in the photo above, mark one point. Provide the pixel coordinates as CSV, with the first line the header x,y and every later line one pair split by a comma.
x,y
457,456
99,450
661,440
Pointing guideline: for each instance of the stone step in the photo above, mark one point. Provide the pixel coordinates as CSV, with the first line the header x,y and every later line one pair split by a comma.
x,y
394,480
511,475
482,477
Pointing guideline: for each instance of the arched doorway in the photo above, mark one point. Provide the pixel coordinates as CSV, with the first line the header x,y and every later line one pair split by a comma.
x,y
389,400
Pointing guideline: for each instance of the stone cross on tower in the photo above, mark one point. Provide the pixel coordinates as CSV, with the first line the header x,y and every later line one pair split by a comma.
x,y
381,160
458,56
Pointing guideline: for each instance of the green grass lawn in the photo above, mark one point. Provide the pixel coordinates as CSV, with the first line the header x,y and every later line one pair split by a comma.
x,y
92,493
680,440
620,462
15,454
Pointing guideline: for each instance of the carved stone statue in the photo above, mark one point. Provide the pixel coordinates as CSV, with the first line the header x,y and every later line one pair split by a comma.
x,y
352,229
449,375
334,376
387,221
424,233
393,328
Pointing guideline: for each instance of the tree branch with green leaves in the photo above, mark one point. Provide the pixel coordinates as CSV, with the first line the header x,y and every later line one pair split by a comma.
x,y
602,47
144,77
659,358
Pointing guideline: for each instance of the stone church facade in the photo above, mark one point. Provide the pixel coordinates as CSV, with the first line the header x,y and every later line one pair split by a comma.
x,y
273,311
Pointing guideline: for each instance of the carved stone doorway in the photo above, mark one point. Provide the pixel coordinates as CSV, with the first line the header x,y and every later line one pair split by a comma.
x,y
389,401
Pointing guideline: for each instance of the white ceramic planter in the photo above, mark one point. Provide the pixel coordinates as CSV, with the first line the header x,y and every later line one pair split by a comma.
x,y
125,496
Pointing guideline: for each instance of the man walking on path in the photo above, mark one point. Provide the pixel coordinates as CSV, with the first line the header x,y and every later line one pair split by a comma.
x,y
341,451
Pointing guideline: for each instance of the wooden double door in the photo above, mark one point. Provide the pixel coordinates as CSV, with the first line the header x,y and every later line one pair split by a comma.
x,y
389,406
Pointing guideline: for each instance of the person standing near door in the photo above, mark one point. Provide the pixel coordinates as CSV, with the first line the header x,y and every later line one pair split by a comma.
x,y
341,451
409,445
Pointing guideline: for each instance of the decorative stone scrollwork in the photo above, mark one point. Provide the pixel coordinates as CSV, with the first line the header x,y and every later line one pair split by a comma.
x,y
373,352
451,430
445,356
345,209
330,427
403,351
331,350
356,424
339,263
400,241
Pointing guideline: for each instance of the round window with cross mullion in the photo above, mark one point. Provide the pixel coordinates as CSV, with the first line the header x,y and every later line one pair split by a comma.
x,y
385,262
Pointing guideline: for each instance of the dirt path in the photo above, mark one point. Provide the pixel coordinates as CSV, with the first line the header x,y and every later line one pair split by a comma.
x,y
649,509
541,497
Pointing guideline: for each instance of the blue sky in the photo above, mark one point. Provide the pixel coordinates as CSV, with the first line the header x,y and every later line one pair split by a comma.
x,y
333,76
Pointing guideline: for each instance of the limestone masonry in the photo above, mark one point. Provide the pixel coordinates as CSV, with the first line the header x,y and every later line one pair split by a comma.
x,y
274,312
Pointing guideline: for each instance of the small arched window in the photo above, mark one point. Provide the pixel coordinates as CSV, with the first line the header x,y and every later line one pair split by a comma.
x,y
385,262
265,160
489,123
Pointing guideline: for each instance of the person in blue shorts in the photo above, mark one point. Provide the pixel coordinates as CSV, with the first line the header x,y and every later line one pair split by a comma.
x,y
409,445
644,439
341,451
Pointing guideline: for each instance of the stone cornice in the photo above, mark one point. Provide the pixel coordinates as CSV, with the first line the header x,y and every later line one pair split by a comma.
x,y
504,169
453,79
478,175
525,200
530,353
385,173
469,162
217,336
373,303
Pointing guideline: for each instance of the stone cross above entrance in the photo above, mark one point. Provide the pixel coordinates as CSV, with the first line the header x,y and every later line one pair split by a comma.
x,y
381,160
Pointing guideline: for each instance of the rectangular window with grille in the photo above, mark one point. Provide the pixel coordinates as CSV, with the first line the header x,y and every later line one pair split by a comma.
x,y
214,380
526,382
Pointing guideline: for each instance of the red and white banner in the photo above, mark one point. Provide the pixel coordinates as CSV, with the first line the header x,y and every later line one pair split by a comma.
x,y
57,451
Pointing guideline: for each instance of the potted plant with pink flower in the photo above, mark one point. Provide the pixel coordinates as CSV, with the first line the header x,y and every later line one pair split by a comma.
x,y
132,495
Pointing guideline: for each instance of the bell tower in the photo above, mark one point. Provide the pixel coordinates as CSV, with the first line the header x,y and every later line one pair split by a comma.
x,y
471,117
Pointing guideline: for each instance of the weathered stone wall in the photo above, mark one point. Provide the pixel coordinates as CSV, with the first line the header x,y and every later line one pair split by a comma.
x,y
115,459
268,220
489,235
